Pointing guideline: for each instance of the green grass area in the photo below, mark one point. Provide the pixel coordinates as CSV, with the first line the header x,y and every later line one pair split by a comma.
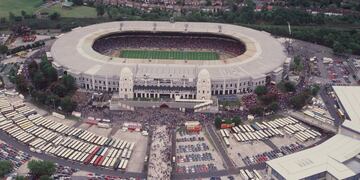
x,y
176,55
16,6
73,12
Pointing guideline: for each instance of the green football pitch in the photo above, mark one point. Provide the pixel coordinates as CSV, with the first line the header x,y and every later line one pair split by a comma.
x,y
176,55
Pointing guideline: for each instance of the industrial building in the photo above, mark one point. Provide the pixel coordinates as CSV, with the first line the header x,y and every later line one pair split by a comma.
x,y
336,158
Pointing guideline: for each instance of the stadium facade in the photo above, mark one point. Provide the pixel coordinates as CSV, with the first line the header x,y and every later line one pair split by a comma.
x,y
261,62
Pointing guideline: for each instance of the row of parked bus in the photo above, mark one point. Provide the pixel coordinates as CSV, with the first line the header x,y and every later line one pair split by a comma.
x,y
257,135
265,130
291,129
46,136
247,174
320,117
303,136
277,123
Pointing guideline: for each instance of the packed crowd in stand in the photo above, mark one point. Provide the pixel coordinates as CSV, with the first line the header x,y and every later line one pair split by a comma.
x,y
183,43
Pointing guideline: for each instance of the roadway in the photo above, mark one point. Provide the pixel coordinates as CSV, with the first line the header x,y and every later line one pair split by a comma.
x,y
173,151
219,146
224,172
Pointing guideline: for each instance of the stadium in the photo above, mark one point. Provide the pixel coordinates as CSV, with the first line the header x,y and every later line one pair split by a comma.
x,y
189,60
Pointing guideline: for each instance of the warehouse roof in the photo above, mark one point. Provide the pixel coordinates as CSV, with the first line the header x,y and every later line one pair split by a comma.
x,y
332,156
349,97
338,156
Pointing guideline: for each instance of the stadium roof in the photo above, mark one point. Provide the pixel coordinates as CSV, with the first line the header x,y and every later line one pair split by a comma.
x,y
349,97
335,156
74,51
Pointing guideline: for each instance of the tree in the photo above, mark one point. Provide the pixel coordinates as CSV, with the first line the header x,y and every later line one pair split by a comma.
x,y
338,47
49,71
40,168
260,90
69,82
45,177
32,68
300,100
40,96
78,2
208,2
314,89
23,13
112,12
21,84
257,110
297,65
59,89
3,49
5,167
11,16
67,105
39,80
289,86
236,120
268,98
100,10
2,20
52,100
54,16
20,178
274,106
218,122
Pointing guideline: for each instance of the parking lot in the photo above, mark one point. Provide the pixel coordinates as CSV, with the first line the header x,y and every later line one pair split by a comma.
x,y
67,122
99,131
46,135
336,71
290,139
137,160
16,157
195,153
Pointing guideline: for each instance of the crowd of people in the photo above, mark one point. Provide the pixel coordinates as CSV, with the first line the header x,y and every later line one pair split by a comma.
x,y
249,100
159,163
282,98
177,42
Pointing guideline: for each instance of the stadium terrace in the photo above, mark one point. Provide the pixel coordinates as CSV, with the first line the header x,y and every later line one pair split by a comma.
x,y
246,58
